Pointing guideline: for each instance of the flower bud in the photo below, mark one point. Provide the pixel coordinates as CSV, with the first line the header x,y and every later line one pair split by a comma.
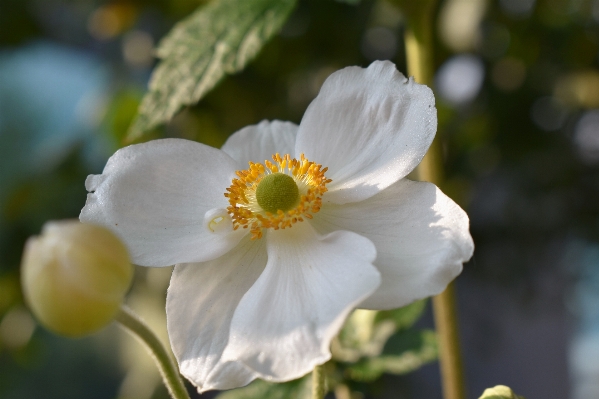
x,y
500,392
74,277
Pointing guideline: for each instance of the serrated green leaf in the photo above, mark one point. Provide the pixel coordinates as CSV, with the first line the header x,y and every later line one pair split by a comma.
x,y
217,39
297,389
410,351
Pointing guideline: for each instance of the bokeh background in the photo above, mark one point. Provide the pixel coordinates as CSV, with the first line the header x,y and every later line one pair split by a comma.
x,y
517,88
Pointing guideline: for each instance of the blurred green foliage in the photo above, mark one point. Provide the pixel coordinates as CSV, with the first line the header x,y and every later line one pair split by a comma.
x,y
515,157
369,345
297,389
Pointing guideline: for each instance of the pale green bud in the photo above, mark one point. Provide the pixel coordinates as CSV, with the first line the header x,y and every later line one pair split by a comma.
x,y
75,276
500,392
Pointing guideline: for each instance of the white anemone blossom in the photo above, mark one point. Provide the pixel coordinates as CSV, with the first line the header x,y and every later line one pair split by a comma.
x,y
271,258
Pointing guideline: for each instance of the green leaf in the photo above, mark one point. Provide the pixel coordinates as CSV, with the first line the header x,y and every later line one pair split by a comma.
x,y
404,317
217,39
405,352
361,336
297,389
366,331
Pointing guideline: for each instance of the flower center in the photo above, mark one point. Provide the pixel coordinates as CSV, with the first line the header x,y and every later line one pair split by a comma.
x,y
277,191
276,194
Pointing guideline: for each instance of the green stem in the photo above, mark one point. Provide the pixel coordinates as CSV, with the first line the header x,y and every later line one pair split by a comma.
x,y
168,370
452,371
419,53
318,382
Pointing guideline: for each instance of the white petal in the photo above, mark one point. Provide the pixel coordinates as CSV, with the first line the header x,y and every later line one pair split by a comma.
x,y
155,197
258,143
370,127
421,237
284,324
200,303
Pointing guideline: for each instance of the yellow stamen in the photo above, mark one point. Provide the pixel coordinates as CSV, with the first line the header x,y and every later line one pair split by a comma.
x,y
247,213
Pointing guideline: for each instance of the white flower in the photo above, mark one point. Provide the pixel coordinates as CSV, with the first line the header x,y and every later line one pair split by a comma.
x,y
265,301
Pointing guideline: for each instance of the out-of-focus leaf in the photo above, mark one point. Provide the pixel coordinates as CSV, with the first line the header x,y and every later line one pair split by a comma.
x,y
366,331
297,389
218,39
10,291
410,350
352,2
358,328
403,317
361,336
120,113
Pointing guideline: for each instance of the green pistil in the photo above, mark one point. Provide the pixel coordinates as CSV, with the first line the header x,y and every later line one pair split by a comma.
x,y
277,191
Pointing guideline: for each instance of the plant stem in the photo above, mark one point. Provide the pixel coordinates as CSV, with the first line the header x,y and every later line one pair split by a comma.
x,y
168,370
452,372
419,53
318,382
